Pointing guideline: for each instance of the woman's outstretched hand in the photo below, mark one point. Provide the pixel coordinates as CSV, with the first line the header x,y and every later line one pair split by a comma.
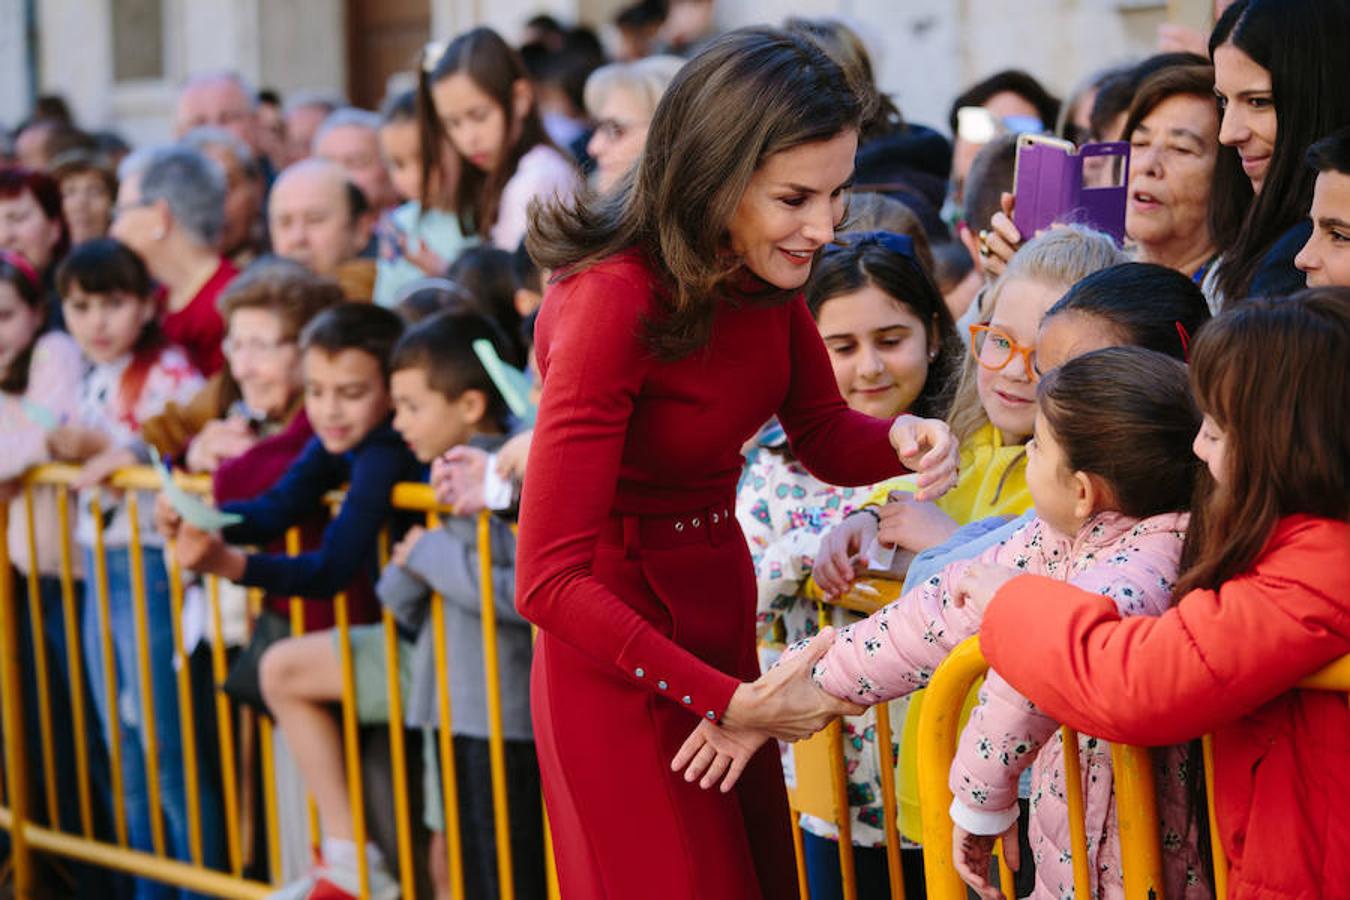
x,y
928,448
783,702
717,753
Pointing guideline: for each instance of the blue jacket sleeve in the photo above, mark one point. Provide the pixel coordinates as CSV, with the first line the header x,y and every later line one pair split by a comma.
x,y
348,542
293,497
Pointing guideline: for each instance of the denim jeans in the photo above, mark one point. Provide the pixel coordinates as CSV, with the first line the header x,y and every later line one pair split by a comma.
x,y
129,704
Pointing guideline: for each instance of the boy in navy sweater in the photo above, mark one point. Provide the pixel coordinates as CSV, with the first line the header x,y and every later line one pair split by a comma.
x,y
346,352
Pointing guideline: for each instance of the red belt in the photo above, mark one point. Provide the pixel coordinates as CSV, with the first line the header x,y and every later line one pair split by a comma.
x,y
712,525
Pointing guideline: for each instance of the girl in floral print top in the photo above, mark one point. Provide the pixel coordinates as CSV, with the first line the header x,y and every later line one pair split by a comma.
x,y
893,349
130,372
1111,475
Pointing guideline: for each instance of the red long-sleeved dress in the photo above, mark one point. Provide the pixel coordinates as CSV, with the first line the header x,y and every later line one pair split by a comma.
x,y
632,565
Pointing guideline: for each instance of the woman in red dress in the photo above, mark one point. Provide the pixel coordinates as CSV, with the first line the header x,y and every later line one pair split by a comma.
x,y
675,330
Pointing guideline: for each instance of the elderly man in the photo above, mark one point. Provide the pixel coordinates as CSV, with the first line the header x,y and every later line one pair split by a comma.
x,y
351,138
305,112
219,99
242,239
319,218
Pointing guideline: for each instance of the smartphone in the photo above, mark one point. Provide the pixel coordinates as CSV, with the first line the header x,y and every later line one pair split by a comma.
x,y
1055,182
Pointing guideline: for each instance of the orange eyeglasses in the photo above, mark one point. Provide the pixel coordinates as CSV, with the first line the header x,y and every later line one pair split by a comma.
x,y
994,348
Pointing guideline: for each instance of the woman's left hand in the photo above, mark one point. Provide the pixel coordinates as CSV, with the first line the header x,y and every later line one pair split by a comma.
x,y
717,753
928,448
980,582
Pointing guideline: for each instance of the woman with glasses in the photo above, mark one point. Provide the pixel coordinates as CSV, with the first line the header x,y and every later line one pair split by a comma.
x,y
621,98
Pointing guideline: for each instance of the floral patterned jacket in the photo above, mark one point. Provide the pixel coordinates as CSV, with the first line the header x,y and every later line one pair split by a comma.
x,y
895,651
783,511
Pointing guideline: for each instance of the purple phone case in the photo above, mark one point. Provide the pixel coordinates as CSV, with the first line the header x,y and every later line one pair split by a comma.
x,y
1050,189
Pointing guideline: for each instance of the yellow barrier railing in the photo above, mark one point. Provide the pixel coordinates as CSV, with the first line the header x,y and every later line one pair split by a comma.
x,y
29,834
1135,789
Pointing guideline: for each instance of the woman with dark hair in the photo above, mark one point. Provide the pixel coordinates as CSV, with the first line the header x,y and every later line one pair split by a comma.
x,y
1280,72
33,225
675,330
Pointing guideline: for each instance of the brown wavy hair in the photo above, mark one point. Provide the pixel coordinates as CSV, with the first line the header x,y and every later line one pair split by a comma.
x,y
1273,374
749,94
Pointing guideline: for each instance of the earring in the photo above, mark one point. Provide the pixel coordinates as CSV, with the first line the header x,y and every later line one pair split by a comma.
x,y
932,356
159,234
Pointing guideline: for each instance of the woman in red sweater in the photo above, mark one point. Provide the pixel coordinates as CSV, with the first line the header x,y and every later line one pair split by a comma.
x,y
1263,603
675,330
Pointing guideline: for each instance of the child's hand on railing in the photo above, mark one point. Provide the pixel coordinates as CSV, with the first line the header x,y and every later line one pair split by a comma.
x,y
927,448
972,855
100,466
404,548
202,551
167,519
717,753
75,443
977,586
840,547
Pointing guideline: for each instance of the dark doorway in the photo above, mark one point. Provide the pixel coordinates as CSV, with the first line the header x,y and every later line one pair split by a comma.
x,y
384,37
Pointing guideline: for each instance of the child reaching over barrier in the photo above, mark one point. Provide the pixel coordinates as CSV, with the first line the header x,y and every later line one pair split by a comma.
x,y
1261,604
478,95
131,373
1108,471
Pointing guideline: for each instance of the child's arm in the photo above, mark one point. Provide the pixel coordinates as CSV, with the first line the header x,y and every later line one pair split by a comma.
x,y
400,589
53,393
448,563
295,495
895,650
1214,657
348,541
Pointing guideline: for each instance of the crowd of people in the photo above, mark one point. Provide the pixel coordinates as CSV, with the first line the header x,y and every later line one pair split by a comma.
x,y
785,335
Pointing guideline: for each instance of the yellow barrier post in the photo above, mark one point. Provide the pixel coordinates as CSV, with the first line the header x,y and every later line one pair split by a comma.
x,y
1073,792
74,663
149,727
1137,817
114,723
449,784
297,629
351,745
496,745
37,628
398,760
11,719
268,776
224,730
186,721
939,719
889,806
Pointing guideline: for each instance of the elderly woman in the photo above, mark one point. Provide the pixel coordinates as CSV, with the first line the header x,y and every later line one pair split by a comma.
x,y
171,211
621,98
88,184
33,226
1173,128
242,239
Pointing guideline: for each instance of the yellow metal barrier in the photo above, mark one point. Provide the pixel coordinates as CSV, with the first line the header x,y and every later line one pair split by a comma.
x,y
938,734
820,767
29,835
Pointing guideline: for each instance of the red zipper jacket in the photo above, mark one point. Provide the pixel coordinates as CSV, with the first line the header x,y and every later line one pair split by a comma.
x,y
1222,661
